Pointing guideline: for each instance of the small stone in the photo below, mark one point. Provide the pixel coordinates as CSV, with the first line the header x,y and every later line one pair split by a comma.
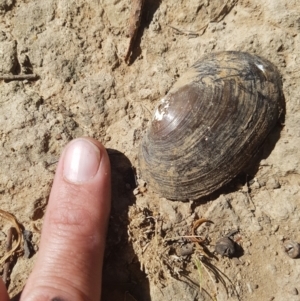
x,y
136,191
255,184
28,246
275,228
142,189
247,243
2,235
142,183
261,182
249,288
131,115
272,183
263,162
58,137
237,261
186,250
145,93
244,188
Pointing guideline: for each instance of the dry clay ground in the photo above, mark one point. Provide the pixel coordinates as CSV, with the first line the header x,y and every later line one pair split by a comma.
x,y
85,88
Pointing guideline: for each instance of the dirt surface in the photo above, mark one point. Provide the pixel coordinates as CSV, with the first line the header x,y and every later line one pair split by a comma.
x,y
84,88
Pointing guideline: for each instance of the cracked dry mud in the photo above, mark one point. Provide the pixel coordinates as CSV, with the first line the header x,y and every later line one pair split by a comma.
x,y
85,88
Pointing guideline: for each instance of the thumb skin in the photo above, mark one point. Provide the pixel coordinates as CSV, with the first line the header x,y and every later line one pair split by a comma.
x,y
69,263
3,293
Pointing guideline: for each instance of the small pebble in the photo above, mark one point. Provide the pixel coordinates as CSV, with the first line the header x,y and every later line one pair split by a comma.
x,y
261,182
139,189
142,183
255,185
143,189
58,137
28,246
272,183
263,162
247,244
275,228
249,288
245,188
186,250
131,115
136,191
237,261
2,235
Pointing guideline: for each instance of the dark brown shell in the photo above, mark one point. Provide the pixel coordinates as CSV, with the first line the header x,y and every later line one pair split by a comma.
x,y
210,124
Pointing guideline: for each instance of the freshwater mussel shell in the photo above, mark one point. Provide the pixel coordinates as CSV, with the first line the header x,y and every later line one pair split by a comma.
x,y
211,123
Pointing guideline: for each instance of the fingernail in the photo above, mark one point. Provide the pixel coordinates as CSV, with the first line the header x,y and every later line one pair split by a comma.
x,y
81,161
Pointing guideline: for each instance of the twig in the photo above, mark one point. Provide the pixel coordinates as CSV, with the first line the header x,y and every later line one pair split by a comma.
x,y
196,224
51,163
8,247
19,77
14,221
190,33
212,280
197,263
134,24
224,11
181,237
